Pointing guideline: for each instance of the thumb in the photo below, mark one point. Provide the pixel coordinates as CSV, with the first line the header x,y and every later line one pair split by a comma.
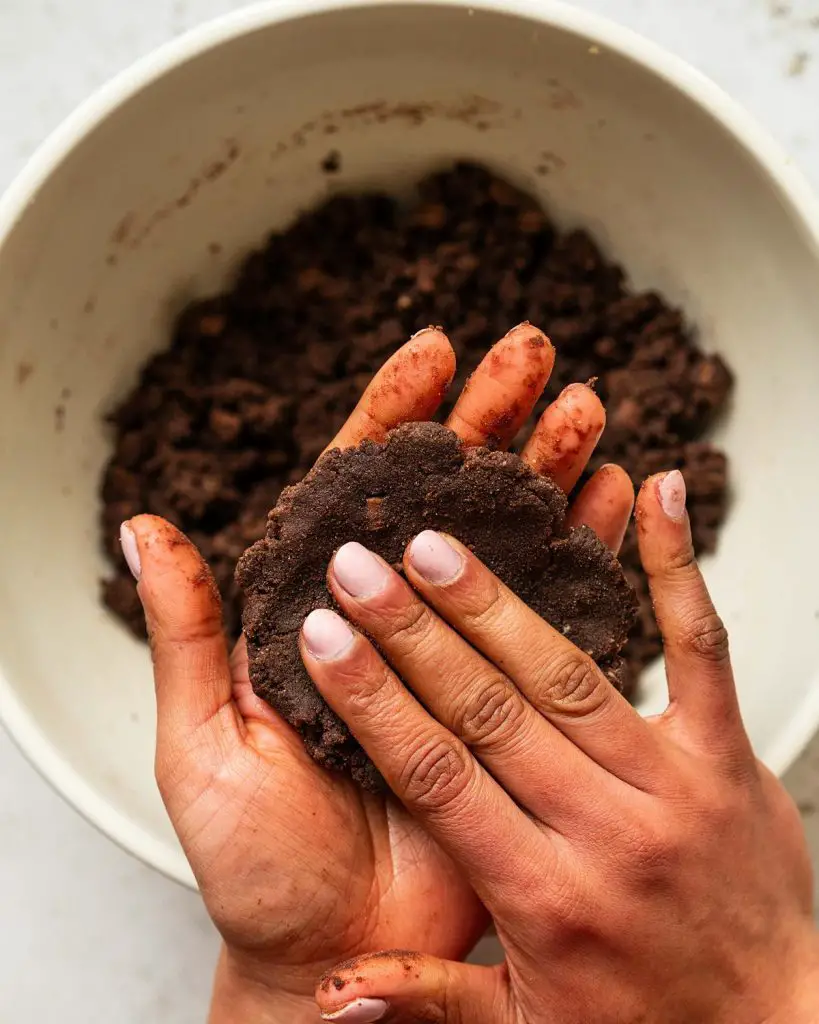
x,y
400,987
183,614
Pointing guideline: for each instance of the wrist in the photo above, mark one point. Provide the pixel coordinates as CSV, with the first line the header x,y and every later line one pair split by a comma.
x,y
239,996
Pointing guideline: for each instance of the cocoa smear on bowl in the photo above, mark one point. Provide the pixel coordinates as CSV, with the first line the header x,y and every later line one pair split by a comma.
x,y
257,380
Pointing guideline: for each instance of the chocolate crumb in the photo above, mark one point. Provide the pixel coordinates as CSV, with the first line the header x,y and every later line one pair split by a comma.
x,y
331,164
513,519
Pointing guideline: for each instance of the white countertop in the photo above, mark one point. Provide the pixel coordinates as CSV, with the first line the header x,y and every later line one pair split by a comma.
x,y
87,934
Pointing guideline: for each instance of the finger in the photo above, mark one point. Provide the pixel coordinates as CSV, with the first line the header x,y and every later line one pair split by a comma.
x,y
184,618
538,766
604,505
267,732
429,770
249,705
700,680
409,387
565,435
499,396
559,679
403,986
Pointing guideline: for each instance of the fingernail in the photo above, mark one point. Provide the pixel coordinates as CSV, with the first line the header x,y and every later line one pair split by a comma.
x,y
130,549
671,492
534,337
359,1011
432,329
326,635
434,558
358,571
517,327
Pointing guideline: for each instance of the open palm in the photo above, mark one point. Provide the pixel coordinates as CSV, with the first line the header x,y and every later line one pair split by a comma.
x,y
298,867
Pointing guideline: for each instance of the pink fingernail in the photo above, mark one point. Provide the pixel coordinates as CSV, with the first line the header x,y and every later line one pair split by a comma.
x,y
358,571
359,1011
326,635
671,492
130,549
434,558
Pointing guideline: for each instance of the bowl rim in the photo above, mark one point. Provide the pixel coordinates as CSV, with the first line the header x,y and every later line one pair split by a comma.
x,y
793,189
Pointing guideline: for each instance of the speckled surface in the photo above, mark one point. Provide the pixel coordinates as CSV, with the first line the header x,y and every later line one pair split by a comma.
x,y
88,935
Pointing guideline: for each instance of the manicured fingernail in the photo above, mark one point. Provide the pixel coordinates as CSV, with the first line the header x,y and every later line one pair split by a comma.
x,y
359,571
130,549
359,1011
434,558
326,635
671,492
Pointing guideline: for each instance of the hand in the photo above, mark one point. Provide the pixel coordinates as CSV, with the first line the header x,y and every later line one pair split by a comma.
x,y
636,870
297,867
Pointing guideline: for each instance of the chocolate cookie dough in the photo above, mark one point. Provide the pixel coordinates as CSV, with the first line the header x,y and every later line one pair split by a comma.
x,y
383,495
257,380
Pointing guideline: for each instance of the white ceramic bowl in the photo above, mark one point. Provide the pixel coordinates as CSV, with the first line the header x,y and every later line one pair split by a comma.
x,y
217,137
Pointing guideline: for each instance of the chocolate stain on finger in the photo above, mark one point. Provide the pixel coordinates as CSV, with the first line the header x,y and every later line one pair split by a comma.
x,y
407,959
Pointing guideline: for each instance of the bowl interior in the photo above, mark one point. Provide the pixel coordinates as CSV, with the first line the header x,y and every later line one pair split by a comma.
x,y
154,204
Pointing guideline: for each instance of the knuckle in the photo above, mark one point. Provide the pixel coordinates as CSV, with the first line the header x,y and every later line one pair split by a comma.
x,y
572,683
656,854
713,800
720,811
180,627
490,710
407,624
365,685
435,774
680,563
483,607
360,677
568,911
704,635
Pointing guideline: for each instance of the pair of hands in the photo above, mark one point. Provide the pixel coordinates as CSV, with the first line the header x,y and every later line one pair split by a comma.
x,y
635,870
